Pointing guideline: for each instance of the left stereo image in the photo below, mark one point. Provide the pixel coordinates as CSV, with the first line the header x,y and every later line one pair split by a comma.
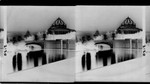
x,y
40,44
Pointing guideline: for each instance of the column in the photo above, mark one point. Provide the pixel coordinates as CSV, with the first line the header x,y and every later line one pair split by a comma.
x,y
61,47
130,46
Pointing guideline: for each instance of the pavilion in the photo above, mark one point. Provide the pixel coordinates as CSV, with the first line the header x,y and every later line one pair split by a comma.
x,y
128,31
59,27
128,27
59,36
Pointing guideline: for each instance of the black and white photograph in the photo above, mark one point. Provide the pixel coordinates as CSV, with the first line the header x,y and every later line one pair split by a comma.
x,y
75,43
109,43
40,44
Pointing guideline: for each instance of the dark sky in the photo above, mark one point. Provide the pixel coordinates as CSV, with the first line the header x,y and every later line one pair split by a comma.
x,y
148,19
87,18
38,18
107,18
0,18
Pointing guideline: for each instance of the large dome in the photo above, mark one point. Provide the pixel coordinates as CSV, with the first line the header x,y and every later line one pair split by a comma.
x,y
59,27
128,27
59,23
128,21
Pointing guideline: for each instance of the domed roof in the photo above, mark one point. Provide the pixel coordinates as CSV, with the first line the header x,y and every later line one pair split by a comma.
x,y
128,27
59,23
59,27
128,21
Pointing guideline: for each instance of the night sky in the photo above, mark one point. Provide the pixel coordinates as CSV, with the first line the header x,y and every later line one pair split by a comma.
x,y
81,18
38,18
107,18
0,18
148,19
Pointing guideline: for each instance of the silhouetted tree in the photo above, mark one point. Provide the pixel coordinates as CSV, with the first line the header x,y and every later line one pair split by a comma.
x,y
36,37
27,34
14,39
96,33
113,35
44,36
105,36
19,38
88,37
83,39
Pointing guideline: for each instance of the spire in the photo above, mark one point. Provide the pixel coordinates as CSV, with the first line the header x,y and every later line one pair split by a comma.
x,y
59,27
128,27
128,22
59,23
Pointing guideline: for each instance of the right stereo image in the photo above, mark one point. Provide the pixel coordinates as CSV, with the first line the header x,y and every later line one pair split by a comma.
x,y
110,43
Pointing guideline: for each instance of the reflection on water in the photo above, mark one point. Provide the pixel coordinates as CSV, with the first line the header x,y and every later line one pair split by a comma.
x,y
58,54
128,49
51,51
25,60
126,54
122,49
